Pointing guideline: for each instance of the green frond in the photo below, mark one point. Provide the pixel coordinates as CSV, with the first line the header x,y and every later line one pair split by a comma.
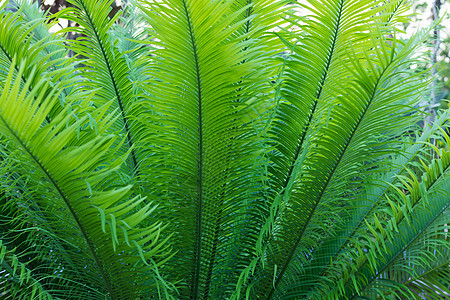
x,y
42,53
432,284
417,220
206,128
132,35
106,69
309,276
101,220
333,121
422,234
422,252
30,12
395,15
17,282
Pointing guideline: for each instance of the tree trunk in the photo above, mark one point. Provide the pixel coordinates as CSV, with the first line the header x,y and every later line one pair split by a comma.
x,y
436,43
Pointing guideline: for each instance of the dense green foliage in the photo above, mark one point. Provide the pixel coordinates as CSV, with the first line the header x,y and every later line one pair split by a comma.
x,y
219,149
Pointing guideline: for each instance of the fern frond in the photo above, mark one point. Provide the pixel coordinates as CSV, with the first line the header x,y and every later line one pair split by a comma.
x,y
203,128
325,109
415,214
369,201
102,221
106,70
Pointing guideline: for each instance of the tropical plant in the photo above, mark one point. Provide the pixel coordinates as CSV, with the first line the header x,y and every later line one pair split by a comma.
x,y
219,149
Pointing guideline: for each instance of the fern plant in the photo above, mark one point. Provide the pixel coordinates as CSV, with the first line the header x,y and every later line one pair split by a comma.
x,y
219,149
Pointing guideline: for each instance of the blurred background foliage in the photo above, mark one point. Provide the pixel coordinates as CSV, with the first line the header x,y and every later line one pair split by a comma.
x,y
424,13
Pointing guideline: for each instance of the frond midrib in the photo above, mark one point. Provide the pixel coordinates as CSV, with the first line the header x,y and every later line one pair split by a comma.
x,y
198,237
215,240
69,206
316,101
116,89
300,144
338,161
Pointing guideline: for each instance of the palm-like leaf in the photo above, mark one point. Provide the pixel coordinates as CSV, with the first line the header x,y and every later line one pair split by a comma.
x,y
66,142
351,112
205,128
106,69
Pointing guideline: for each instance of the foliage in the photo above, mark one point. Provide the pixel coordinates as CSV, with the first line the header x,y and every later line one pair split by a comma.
x,y
424,13
219,150
444,65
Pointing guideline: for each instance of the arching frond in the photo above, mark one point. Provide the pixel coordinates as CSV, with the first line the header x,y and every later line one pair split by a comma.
x,y
105,70
416,219
337,144
101,221
204,127
371,200
30,12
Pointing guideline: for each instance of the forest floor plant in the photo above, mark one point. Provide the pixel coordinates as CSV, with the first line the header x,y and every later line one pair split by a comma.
x,y
219,149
